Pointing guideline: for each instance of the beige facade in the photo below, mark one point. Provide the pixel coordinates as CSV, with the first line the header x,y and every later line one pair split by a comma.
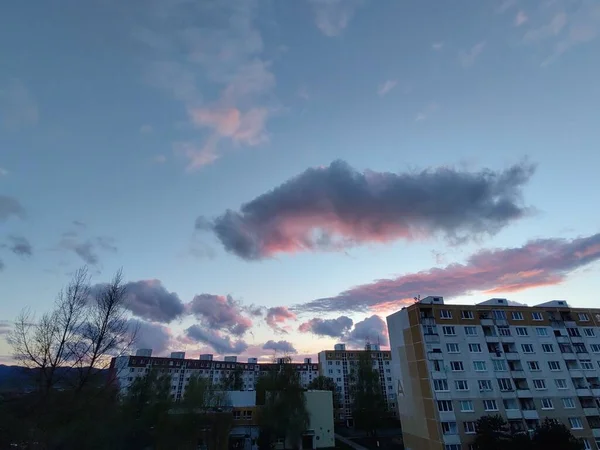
x,y
455,363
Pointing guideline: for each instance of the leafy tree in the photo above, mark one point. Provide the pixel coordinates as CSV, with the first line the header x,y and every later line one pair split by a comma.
x,y
492,433
234,380
552,434
368,403
323,383
284,412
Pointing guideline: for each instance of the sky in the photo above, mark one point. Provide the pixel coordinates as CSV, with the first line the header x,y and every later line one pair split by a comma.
x,y
274,177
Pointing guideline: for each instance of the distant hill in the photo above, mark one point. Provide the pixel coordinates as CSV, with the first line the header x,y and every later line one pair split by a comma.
x,y
21,378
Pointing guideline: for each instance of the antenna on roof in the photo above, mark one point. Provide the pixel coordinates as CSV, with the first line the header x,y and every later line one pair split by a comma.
x,y
417,298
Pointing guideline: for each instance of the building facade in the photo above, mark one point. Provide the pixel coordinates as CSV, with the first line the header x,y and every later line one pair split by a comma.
x,y
338,364
125,369
453,364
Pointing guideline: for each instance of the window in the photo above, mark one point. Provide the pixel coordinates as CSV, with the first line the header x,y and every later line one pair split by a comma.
x,y
499,365
586,444
499,314
461,385
504,331
449,427
470,331
533,366
445,314
437,367
449,331
573,332
537,316
568,403
554,365
583,317
485,385
548,348
475,348
579,348
541,331
444,405
595,348
510,403
527,348
490,405
589,332
575,423
505,384
469,427
561,383
452,447
547,403
539,384
479,366
452,348
466,406
456,366
521,331
440,385
465,314
586,364
517,315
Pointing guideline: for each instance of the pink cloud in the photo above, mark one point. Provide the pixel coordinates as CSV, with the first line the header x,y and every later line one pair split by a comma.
x,y
277,316
521,18
541,262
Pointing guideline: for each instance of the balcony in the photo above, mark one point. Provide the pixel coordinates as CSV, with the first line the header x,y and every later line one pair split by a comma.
x,y
596,432
514,374
512,414
569,356
582,392
431,356
487,322
428,321
492,338
513,356
530,414
590,411
524,393
562,339
431,338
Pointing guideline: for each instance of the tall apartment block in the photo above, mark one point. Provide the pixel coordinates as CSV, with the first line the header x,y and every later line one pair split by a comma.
x,y
338,363
452,364
126,368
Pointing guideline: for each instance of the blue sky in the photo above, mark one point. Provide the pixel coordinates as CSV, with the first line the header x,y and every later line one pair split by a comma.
x,y
122,123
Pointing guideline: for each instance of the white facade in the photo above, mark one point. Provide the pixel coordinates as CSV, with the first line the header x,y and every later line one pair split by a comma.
x,y
493,358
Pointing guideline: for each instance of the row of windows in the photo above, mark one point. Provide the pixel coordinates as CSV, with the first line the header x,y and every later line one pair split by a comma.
x,y
471,330
500,314
585,442
506,384
466,406
449,428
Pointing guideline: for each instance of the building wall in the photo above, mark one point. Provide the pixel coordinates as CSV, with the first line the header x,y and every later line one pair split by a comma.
x,y
523,353
338,365
320,409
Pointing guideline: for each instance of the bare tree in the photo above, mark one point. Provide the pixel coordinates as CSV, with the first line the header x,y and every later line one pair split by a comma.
x,y
47,345
81,332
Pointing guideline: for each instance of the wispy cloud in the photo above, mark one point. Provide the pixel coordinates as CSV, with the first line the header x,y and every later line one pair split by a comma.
x,y
146,129
427,112
505,5
226,56
10,206
20,246
276,316
437,46
336,207
468,57
327,327
548,30
3,172
386,87
18,107
521,18
86,248
220,342
333,16
541,262
280,347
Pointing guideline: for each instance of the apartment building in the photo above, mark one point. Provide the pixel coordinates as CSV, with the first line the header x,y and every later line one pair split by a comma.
x,y
125,369
452,364
338,363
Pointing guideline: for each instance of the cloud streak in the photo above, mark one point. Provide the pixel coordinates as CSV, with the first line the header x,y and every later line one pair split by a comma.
x,y
333,16
386,87
18,107
280,346
20,246
220,343
9,207
220,312
278,315
468,57
541,262
327,327
336,207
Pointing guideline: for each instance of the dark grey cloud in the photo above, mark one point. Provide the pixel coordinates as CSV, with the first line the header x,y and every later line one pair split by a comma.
x,y
10,206
373,329
2,266
327,327
220,343
335,207
151,335
220,313
20,246
150,300
540,262
279,346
